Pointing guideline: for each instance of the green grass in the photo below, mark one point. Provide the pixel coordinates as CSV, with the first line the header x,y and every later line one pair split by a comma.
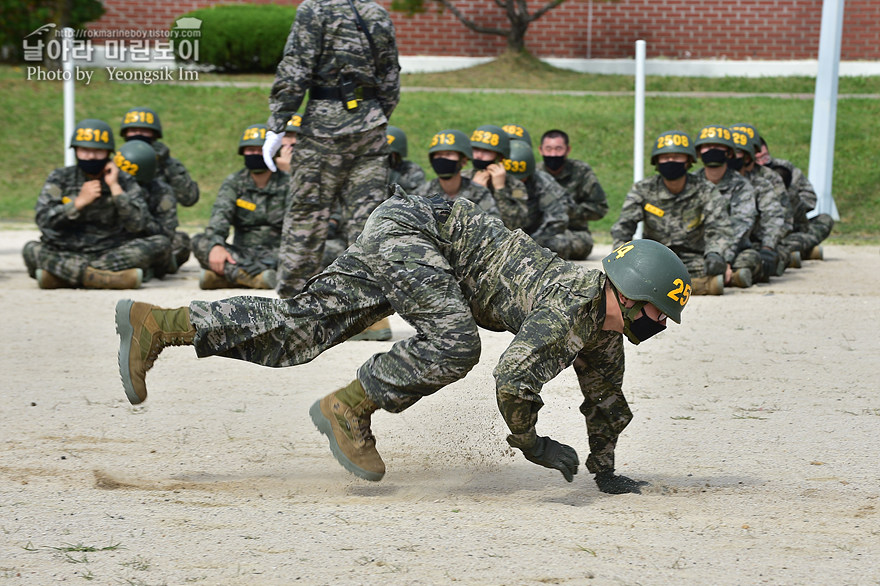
x,y
202,126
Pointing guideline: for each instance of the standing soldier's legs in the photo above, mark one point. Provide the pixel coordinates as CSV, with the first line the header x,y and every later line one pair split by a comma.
x,y
366,181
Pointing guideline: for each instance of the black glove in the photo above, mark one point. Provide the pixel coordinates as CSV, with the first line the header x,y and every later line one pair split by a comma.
x,y
715,265
769,262
611,484
551,454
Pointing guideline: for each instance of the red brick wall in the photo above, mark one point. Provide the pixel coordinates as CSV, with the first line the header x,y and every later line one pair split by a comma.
x,y
680,29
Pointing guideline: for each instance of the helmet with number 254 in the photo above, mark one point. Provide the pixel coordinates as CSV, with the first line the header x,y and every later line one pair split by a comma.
x,y
645,270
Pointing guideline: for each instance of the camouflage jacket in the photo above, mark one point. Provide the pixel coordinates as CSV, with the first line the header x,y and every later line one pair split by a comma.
x,y
739,198
512,199
589,202
163,209
775,218
256,214
802,197
409,175
172,172
555,309
468,190
325,49
549,203
105,223
694,221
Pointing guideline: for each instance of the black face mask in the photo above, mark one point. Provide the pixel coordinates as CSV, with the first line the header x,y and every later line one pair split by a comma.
x,y
714,157
445,168
637,326
255,163
92,166
554,163
480,165
146,139
672,170
736,163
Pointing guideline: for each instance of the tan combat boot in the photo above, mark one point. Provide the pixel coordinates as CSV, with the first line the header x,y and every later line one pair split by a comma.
x,y
378,332
47,280
794,261
816,253
713,285
208,279
742,278
344,417
101,279
144,330
265,280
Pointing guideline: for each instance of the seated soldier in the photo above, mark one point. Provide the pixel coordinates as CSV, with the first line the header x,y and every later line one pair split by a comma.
x,y
491,146
408,174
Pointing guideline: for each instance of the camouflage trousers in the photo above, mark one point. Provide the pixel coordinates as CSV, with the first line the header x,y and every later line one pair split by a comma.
x,y
395,266
748,258
180,249
810,234
253,261
570,245
351,170
142,253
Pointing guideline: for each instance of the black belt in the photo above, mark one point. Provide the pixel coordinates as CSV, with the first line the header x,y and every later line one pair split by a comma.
x,y
334,93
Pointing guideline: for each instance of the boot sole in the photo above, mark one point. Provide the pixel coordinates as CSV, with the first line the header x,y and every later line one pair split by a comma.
x,y
326,427
125,331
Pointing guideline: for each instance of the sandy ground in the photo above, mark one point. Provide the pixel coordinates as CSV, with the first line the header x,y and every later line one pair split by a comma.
x,y
757,423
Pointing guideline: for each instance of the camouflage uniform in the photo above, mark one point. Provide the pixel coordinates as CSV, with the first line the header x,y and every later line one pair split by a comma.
x,y
548,203
692,223
101,235
806,233
739,197
589,203
512,199
469,190
172,172
341,155
409,175
163,210
775,219
256,215
446,269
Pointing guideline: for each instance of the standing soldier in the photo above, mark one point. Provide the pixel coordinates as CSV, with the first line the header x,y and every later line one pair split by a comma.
x,y
589,202
491,145
253,202
682,211
447,269
344,54
408,174
89,217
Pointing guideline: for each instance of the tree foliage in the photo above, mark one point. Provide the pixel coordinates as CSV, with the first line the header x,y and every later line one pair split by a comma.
x,y
516,11
22,17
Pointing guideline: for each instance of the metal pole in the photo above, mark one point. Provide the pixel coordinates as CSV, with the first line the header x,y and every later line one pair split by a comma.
x,y
825,108
69,114
639,122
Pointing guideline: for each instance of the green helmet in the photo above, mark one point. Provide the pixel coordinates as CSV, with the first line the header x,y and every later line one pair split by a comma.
x,y
492,138
714,134
673,141
752,133
294,123
517,132
645,270
93,133
451,140
141,118
521,162
397,140
138,159
742,142
253,135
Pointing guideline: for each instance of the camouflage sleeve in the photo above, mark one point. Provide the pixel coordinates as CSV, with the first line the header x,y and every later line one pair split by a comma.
x,y
543,347
294,73
387,67
52,211
513,203
743,215
186,190
590,202
134,211
806,194
554,202
718,233
771,214
163,208
222,214
411,178
631,214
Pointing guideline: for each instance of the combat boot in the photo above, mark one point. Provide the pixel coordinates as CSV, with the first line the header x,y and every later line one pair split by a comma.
x,y
794,260
378,332
815,253
47,280
265,280
742,278
713,285
101,279
144,330
344,417
208,279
